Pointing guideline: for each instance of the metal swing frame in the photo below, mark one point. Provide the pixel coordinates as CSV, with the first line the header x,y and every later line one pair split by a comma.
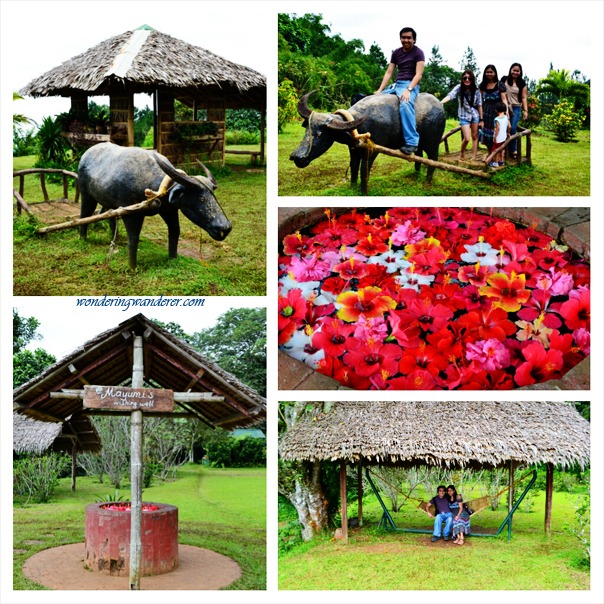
x,y
387,522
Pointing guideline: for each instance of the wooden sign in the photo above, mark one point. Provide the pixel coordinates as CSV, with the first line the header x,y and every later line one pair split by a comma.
x,y
128,399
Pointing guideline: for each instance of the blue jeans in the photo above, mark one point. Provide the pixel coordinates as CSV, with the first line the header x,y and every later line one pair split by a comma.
x,y
447,518
407,111
513,126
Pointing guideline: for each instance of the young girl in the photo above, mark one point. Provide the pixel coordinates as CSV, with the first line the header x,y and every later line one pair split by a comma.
x,y
469,112
461,521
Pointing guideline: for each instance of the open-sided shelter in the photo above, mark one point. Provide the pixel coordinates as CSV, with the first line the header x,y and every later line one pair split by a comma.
x,y
106,360
148,61
447,434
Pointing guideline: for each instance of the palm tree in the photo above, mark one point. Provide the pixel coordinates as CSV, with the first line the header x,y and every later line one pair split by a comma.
x,y
561,85
19,118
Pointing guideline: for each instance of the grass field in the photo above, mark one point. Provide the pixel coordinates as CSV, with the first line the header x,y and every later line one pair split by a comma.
x,y
212,514
379,560
557,169
62,264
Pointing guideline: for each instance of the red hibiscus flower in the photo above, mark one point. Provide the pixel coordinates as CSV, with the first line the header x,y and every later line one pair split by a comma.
x,y
374,357
333,337
292,310
540,365
576,311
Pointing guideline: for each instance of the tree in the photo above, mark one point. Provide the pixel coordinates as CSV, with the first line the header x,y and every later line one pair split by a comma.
x,y
237,343
469,61
27,364
561,85
24,331
439,78
301,482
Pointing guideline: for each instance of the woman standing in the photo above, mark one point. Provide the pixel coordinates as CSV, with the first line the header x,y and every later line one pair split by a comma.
x,y
469,112
493,91
516,90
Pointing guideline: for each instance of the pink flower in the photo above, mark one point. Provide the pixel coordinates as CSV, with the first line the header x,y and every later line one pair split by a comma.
x,y
407,233
582,339
374,328
488,354
309,268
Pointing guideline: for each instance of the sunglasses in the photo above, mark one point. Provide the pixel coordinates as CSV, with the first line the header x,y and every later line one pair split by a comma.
x,y
466,79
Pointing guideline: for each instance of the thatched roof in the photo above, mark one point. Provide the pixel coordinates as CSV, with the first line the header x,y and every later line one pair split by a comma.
x,y
168,363
450,434
34,436
143,60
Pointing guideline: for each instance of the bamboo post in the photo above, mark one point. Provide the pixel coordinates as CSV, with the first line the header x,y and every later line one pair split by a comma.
x,y
510,486
115,213
136,470
360,493
425,161
343,501
549,491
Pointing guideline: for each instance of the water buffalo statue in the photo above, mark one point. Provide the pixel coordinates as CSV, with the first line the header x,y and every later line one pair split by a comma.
x,y
112,176
377,114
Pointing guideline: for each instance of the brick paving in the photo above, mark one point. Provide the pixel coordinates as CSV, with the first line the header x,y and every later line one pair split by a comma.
x,y
570,226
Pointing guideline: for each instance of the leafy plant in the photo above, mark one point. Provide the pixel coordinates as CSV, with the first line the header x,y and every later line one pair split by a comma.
x,y
109,498
289,536
52,146
565,121
581,528
36,477
288,102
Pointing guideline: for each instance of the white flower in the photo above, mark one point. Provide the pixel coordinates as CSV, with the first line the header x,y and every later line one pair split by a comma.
x,y
300,347
481,252
309,288
393,261
413,280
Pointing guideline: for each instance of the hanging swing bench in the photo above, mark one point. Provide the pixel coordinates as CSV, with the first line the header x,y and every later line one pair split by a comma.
x,y
387,522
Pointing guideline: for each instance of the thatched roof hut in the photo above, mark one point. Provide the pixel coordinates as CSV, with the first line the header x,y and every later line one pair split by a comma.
x,y
445,434
34,436
148,61
448,434
170,363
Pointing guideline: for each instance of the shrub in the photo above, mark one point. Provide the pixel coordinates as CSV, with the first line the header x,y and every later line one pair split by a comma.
x,y
52,146
289,536
36,477
564,121
581,529
535,112
288,104
242,137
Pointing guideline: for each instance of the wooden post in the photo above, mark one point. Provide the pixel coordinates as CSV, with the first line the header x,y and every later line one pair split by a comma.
x,y
549,491
360,493
136,470
262,133
74,453
343,501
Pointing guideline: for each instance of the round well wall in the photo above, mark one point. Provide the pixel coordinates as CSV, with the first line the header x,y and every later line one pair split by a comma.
x,y
108,540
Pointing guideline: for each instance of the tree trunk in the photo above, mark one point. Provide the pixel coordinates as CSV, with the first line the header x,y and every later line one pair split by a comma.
x,y
309,501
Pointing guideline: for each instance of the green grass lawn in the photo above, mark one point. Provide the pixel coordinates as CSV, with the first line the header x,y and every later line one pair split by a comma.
x,y
378,560
62,264
557,169
223,510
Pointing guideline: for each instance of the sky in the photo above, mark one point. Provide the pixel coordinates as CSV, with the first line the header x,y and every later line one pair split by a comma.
x,y
566,34
64,326
228,29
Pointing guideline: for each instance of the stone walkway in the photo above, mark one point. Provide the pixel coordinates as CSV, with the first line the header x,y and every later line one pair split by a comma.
x,y
570,226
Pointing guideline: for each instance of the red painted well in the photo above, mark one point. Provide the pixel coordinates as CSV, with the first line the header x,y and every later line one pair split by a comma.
x,y
108,540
